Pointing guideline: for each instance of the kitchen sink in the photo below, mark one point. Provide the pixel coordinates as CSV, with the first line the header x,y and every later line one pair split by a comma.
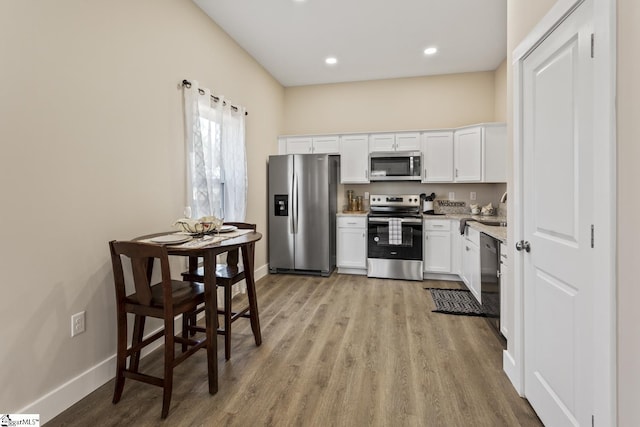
x,y
493,223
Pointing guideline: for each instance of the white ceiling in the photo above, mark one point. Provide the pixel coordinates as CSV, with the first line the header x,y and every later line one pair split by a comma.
x,y
372,39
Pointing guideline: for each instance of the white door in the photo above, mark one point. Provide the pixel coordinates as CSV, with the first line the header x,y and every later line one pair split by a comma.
x,y
557,216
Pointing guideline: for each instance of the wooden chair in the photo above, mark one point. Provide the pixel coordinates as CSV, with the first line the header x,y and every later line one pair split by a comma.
x,y
228,275
164,300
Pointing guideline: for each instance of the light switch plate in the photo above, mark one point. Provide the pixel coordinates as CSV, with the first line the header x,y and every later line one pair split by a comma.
x,y
452,195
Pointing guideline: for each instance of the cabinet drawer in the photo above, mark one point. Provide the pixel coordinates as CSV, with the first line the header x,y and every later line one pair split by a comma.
x,y
352,221
437,224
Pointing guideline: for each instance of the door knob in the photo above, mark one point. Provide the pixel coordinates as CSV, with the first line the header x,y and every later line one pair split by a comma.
x,y
523,245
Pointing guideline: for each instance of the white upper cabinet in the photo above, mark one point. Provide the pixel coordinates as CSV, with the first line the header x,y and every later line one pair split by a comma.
x,y
382,142
468,155
495,153
329,144
354,159
437,156
480,154
408,141
326,144
402,141
299,145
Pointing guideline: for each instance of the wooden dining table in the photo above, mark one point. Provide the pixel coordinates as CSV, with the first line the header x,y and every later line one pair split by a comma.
x,y
208,250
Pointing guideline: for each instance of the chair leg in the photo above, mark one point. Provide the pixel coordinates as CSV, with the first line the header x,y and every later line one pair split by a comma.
x,y
186,319
121,356
169,350
227,321
138,334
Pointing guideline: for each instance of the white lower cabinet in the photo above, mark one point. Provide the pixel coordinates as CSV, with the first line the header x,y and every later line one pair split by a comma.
x,y
352,244
437,246
470,261
456,241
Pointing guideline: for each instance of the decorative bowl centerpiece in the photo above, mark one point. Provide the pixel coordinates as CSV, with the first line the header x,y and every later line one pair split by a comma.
x,y
204,225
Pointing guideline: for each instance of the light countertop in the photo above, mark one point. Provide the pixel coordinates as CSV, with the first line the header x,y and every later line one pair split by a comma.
x,y
497,232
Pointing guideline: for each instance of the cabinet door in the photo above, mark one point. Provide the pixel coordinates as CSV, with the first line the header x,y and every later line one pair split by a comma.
x,y
474,271
352,248
299,145
495,154
326,144
382,142
408,141
456,241
437,252
470,268
468,155
465,263
437,156
354,159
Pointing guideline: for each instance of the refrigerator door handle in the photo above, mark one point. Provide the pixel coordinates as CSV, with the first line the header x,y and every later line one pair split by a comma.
x,y
294,201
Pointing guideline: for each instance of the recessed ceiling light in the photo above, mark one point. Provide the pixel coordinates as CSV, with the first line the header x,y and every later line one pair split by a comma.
x,y
331,60
430,50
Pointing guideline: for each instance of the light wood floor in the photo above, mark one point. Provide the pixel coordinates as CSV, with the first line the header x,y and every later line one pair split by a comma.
x,y
337,351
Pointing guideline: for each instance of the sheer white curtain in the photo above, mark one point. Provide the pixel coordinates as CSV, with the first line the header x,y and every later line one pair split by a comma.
x,y
216,156
234,159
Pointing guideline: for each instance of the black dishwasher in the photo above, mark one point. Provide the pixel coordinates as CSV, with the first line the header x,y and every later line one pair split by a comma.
x,y
490,278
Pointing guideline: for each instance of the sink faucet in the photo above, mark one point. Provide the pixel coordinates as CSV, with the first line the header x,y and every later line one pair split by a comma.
x,y
503,199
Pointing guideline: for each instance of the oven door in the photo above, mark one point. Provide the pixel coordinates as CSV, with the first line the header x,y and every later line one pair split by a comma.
x,y
378,245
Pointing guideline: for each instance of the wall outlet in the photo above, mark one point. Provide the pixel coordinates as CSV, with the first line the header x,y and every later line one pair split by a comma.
x,y
452,195
77,323
472,195
366,195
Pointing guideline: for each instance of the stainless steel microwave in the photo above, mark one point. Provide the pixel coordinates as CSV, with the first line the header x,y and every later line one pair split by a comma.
x,y
395,166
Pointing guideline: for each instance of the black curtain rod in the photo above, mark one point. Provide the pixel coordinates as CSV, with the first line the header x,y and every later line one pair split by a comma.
x,y
187,83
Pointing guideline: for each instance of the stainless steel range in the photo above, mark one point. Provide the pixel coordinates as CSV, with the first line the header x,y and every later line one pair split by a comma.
x,y
394,243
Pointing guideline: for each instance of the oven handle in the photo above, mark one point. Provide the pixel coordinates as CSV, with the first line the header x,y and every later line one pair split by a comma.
x,y
386,220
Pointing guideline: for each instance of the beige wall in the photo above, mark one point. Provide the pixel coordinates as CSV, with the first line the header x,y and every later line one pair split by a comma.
x,y
396,104
92,149
500,93
628,130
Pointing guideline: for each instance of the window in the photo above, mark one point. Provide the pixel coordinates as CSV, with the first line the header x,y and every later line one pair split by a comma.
x,y
216,156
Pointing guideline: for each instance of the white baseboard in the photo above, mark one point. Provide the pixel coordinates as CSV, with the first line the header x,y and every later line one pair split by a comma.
x,y
56,401
442,276
509,367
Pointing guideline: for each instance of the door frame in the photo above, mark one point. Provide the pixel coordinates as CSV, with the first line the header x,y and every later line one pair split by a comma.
x,y
604,190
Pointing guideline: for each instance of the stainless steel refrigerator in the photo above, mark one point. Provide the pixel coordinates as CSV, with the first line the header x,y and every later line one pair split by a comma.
x,y
302,213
